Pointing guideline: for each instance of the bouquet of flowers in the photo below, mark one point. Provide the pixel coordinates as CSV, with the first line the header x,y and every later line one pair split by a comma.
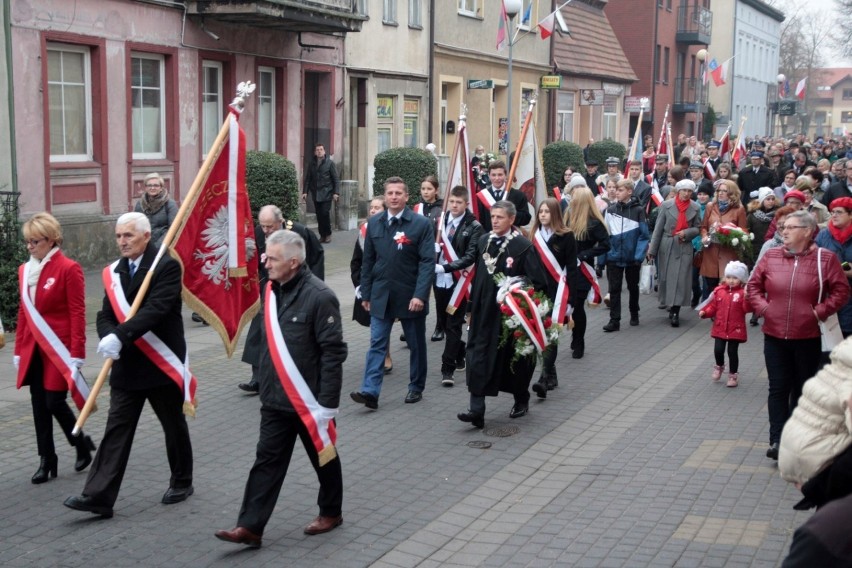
x,y
525,317
732,236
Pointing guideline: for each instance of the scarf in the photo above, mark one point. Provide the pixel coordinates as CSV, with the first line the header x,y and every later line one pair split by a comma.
x,y
151,205
682,206
764,216
840,235
35,271
723,206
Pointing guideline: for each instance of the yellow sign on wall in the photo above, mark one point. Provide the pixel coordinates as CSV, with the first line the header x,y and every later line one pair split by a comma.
x,y
384,107
551,81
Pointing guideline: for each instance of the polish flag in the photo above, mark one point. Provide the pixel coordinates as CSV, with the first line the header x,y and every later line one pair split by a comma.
x,y
545,27
801,88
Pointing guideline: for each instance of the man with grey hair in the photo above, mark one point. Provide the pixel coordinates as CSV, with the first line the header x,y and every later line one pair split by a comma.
x,y
271,219
135,376
300,376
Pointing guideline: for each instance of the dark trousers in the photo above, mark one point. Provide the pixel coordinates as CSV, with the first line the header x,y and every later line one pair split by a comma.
x,y
125,407
709,285
323,211
278,432
48,405
697,294
614,275
548,366
789,363
578,334
442,300
733,353
454,346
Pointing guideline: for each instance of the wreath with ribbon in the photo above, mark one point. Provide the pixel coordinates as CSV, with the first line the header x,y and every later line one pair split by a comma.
x,y
525,317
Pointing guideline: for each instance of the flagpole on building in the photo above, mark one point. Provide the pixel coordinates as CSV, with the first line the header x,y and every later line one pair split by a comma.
x,y
511,180
243,90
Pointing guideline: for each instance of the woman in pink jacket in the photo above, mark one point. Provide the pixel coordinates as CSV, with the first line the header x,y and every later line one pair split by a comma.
x,y
784,291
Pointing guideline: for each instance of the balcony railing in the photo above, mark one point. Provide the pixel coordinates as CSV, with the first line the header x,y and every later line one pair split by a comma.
x,y
686,91
321,16
694,25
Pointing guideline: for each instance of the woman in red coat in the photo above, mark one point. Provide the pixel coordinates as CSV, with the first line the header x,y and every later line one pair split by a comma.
x,y
52,313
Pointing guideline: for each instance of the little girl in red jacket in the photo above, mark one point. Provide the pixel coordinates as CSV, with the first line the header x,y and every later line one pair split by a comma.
x,y
727,305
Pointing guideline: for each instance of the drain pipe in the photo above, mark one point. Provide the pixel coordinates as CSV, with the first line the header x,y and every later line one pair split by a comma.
x,y
7,28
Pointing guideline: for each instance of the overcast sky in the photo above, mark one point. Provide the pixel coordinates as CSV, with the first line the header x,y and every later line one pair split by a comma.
x,y
829,7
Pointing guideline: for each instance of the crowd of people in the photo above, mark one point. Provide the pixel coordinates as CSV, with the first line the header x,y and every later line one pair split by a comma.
x,y
787,264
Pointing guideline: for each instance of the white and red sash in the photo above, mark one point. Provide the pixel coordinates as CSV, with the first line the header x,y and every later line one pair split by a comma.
x,y
152,346
560,304
51,345
486,198
656,196
323,433
594,296
418,208
461,291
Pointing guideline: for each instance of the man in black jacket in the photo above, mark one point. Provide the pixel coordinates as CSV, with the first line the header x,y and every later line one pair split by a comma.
x,y
462,230
271,219
500,189
753,177
324,186
135,377
840,188
301,404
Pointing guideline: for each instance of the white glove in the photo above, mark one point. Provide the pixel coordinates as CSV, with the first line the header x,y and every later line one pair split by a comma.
x,y
439,269
78,363
357,292
437,247
327,414
110,346
16,361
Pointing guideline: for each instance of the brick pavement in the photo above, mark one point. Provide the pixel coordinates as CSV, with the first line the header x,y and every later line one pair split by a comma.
x,y
637,459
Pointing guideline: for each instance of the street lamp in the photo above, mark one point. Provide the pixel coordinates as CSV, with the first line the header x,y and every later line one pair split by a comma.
x,y
512,7
780,78
701,56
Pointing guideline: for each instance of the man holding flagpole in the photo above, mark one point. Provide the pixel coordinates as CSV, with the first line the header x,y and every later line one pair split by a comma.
x,y
300,375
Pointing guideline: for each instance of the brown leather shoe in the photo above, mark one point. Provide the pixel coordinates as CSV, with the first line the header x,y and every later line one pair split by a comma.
x,y
323,524
240,535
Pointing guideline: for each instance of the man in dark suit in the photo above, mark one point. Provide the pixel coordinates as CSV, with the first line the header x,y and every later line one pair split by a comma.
x,y
135,377
500,189
641,189
591,175
462,230
396,275
713,154
840,188
271,219
753,177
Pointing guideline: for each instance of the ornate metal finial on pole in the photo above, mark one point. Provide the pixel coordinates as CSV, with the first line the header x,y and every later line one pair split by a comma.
x,y
463,112
244,91
533,97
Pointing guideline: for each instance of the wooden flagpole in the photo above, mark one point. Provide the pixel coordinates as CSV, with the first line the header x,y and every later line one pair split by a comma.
x,y
197,184
452,171
510,182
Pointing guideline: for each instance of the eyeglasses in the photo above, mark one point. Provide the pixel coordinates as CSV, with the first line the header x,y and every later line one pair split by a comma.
x,y
838,212
33,242
793,227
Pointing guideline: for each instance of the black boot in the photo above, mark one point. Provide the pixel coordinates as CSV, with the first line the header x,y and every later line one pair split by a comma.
x,y
552,381
46,469
85,447
540,388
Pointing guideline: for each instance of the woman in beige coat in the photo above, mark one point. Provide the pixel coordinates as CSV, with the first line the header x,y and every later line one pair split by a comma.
x,y
726,208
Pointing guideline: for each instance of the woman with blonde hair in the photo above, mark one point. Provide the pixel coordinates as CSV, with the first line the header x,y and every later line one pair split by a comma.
x,y
156,203
50,344
586,222
726,208
557,250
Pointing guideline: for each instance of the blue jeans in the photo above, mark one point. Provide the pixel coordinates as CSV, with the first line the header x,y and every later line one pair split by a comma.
x,y
789,363
415,335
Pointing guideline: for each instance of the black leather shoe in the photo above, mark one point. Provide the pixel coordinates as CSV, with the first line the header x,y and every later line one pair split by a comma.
x,y
85,447
478,420
519,410
367,400
577,353
197,318
251,387
176,494
540,388
460,364
753,322
438,335
634,320
772,452
402,337
413,397
675,320
46,469
612,326
86,503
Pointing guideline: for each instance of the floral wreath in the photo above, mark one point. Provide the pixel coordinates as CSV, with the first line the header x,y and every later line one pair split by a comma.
x,y
732,236
525,318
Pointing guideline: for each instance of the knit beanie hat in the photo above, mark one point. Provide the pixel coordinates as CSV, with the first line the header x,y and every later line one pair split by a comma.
x,y
763,193
738,270
576,180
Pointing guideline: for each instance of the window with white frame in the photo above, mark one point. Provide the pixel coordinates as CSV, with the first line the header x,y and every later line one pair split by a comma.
x,y
266,109
389,11
610,118
411,122
147,100
211,103
361,7
70,102
470,8
565,116
415,10
526,15
385,113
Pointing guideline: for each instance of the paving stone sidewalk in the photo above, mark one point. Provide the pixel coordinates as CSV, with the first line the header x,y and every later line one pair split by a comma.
x,y
637,459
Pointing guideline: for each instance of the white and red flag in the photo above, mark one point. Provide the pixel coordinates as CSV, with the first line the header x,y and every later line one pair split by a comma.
x,y
802,88
529,172
739,152
725,145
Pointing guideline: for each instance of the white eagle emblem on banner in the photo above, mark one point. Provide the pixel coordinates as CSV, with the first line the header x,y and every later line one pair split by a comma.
x,y
215,257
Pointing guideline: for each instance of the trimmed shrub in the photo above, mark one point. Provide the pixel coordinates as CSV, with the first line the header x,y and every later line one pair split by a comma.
x,y
411,164
604,149
271,180
559,155
12,254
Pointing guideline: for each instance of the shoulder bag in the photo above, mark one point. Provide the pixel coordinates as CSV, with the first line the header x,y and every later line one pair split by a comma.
x,y
830,328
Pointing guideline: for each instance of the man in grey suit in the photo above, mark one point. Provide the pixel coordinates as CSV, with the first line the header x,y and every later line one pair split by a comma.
x,y
396,276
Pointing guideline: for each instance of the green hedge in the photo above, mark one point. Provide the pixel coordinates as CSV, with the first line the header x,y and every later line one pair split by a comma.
x,y
411,164
559,155
12,254
271,180
604,149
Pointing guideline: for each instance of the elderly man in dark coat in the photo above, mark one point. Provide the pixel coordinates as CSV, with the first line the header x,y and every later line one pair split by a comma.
x,y
396,276
489,368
